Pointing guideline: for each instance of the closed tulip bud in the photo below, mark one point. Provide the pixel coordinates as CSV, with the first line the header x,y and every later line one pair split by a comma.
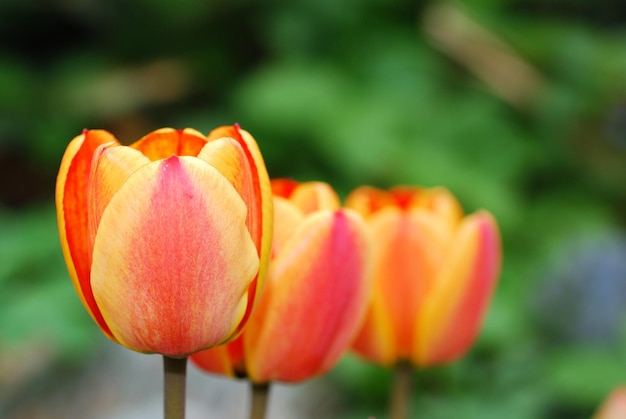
x,y
435,270
315,295
167,240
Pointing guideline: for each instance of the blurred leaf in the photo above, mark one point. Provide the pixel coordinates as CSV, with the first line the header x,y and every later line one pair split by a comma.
x,y
38,302
583,376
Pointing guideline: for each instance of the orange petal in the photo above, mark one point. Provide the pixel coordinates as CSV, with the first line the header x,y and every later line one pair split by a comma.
x,y
225,359
441,202
368,200
407,196
315,196
314,300
289,218
453,311
375,340
72,214
173,259
167,142
407,252
110,169
283,187
260,208
215,360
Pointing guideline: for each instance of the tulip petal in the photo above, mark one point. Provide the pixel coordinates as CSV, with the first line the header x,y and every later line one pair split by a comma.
x,y
228,157
215,360
407,196
72,214
224,359
408,250
260,206
173,259
315,196
110,169
375,340
283,187
314,300
440,202
290,217
166,142
452,314
367,200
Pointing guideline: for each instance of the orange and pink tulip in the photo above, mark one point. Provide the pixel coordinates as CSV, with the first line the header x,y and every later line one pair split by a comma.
x,y
315,296
435,270
166,241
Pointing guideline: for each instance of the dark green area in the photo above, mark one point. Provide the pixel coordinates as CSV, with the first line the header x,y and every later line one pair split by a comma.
x,y
352,93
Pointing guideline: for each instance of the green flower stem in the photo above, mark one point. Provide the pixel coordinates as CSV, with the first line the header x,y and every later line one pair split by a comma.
x,y
175,373
260,393
401,391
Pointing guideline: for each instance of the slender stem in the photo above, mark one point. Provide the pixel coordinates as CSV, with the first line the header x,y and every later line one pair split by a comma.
x,y
260,393
175,373
401,391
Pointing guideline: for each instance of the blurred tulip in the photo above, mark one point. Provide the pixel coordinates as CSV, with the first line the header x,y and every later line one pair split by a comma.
x,y
614,406
315,296
434,273
166,241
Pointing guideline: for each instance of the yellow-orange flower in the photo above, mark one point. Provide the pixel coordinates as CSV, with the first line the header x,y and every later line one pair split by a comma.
x,y
315,295
166,241
434,273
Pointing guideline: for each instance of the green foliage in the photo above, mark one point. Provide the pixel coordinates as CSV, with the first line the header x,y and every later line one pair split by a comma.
x,y
580,376
37,303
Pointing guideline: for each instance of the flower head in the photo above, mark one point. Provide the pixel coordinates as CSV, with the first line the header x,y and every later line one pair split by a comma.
x,y
166,241
435,270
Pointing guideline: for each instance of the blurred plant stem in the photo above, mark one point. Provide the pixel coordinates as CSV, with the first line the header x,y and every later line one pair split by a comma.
x,y
175,373
401,391
259,400
456,33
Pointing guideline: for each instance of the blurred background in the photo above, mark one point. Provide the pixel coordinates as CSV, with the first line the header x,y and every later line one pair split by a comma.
x,y
516,106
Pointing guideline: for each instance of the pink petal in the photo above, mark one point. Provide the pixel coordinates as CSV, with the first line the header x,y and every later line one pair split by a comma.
x,y
454,310
314,300
173,259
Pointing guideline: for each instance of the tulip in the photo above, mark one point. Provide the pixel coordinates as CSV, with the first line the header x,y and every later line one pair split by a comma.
x,y
614,406
166,241
316,293
435,270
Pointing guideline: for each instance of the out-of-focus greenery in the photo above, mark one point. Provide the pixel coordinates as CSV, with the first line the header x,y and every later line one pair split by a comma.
x,y
353,92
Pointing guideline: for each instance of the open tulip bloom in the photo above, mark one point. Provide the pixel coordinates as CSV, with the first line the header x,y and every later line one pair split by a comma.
x,y
316,293
435,270
166,241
